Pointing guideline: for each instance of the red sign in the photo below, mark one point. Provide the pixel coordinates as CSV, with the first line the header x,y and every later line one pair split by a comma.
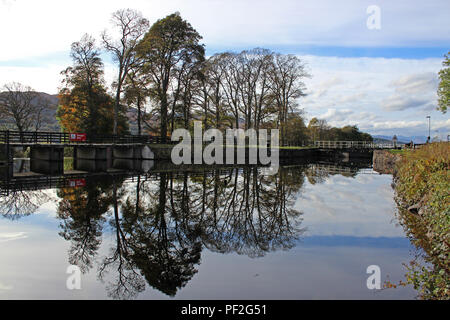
x,y
73,183
77,136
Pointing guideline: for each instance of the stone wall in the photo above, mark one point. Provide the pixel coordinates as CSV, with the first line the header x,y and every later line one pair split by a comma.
x,y
385,161
164,153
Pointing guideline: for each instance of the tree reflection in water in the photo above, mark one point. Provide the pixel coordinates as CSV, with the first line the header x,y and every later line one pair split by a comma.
x,y
21,203
82,212
161,223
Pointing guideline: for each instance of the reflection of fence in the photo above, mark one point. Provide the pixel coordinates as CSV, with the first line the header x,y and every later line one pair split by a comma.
x,y
24,138
333,169
343,170
76,180
352,145
33,183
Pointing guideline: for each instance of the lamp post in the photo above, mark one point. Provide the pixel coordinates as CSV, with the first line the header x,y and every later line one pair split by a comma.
x,y
394,140
429,128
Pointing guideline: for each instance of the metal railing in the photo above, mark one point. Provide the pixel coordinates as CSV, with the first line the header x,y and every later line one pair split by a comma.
x,y
337,169
16,137
42,182
351,145
34,183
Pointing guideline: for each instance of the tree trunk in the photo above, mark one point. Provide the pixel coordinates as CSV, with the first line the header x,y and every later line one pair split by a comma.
x,y
164,118
139,113
116,111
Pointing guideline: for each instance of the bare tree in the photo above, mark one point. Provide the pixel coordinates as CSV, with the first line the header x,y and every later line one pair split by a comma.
x,y
188,86
212,89
87,70
23,106
255,68
231,84
136,93
131,26
287,86
257,87
21,203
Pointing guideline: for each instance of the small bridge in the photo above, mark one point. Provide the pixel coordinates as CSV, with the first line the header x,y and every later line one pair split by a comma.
x,y
47,149
352,145
16,138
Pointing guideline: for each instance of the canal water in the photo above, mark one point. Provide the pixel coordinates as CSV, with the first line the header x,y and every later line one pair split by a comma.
x,y
308,232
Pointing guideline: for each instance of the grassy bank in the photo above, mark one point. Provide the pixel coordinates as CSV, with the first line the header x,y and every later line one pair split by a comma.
x,y
422,185
68,163
399,151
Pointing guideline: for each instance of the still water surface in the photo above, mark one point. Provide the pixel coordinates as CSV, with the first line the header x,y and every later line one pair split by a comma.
x,y
309,232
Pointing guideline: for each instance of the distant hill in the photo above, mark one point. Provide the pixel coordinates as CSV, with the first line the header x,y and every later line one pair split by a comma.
x,y
382,140
401,139
49,122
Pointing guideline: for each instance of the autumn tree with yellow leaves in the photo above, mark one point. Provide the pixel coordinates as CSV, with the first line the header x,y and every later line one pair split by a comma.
x,y
85,106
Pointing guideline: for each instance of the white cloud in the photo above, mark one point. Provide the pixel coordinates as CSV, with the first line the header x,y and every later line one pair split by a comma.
x,y
365,116
44,79
336,115
399,102
322,88
371,86
33,28
417,83
327,210
399,124
4,237
413,91
353,98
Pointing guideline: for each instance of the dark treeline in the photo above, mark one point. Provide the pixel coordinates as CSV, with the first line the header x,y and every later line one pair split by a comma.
x,y
165,82
320,130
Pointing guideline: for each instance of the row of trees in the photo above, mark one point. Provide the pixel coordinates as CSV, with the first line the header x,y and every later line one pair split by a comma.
x,y
164,75
319,129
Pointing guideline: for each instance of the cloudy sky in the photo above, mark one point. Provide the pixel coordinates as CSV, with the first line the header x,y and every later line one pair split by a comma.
x,y
383,80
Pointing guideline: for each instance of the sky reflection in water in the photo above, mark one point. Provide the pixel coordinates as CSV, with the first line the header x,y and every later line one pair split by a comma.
x,y
309,232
